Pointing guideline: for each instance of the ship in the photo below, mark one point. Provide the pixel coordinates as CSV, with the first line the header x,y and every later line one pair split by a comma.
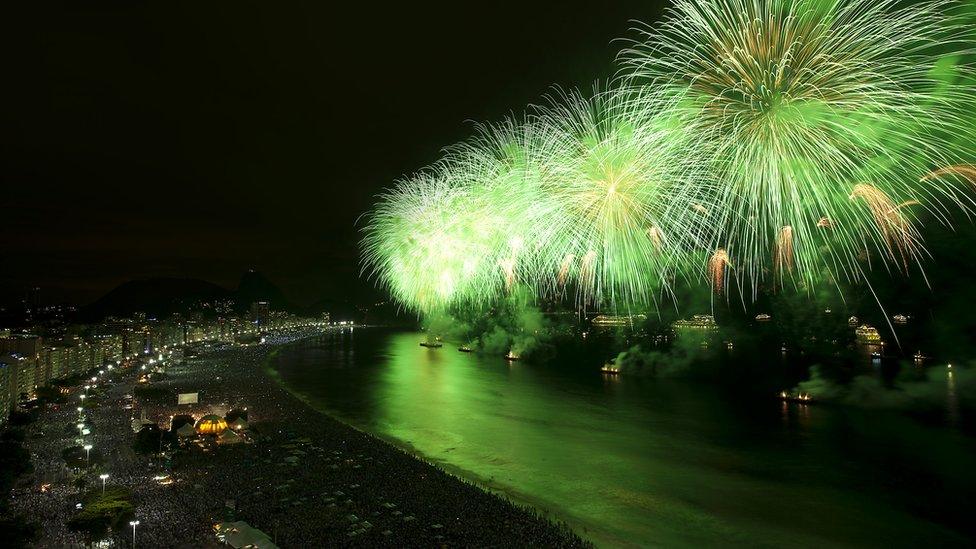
x,y
798,397
511,356
618,320
431,344
610,368
867,334
699,322
464,349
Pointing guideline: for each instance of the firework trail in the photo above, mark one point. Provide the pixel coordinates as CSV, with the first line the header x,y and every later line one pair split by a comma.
x,y
896,230
657,238
564,267
717,265
965,171
783,254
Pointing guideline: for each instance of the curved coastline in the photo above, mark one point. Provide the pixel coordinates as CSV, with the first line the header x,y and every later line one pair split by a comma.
x,y
588,533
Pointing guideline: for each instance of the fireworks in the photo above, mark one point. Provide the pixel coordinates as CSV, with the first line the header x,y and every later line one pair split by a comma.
x,y
462,232
802,138
896,231
783,254
717,266
964,171
797,101
417,246
621,180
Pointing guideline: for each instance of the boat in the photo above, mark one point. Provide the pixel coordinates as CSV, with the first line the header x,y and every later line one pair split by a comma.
x,y
700,322
431,344
510,356
618,320
464,349
798,397
610,368
867,334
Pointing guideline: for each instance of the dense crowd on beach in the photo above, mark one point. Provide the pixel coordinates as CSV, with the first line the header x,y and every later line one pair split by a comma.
x,y
301,477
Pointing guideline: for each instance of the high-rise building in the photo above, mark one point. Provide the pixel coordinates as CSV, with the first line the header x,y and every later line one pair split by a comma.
x,y
24,344
20,377
6,403
259,312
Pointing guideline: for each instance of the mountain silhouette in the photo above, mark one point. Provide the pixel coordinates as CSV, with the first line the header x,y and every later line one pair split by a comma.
x,y
157,297
256,287
163,297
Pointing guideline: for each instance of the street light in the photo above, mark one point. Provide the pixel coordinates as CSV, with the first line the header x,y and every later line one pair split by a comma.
x,y
103,476
88,448
133,524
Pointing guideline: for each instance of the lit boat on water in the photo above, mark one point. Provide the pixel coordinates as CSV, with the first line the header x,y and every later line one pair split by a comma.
x,y
511,356
431,344
464,349
610,368
799,398
618,320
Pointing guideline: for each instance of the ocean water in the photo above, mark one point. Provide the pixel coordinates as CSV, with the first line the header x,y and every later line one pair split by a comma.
x,y
644,462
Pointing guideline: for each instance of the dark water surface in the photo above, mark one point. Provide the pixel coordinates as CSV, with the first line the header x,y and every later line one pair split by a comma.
x,y
634,461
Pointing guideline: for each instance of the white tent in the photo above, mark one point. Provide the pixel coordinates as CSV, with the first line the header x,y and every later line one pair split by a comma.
x,y
229,437
242,535
140,422
186,431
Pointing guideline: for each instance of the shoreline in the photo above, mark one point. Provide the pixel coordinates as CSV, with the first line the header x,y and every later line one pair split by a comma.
x,y
590,534
532,518
304,478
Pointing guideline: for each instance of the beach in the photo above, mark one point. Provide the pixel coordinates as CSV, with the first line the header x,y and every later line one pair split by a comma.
x,y
302,477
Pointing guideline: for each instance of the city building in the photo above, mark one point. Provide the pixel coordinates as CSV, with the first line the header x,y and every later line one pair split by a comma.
x,y
29,361
260,311
6,403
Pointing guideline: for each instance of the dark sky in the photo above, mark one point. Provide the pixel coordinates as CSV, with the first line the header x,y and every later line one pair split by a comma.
x,y
199,139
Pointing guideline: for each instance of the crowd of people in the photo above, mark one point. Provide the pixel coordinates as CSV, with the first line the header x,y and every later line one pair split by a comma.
x,y
301,477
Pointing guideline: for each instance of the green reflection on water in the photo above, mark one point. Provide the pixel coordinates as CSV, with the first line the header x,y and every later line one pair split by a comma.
x,y
631,461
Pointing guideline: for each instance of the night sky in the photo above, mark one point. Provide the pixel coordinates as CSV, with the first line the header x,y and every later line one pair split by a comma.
x,y
200,139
